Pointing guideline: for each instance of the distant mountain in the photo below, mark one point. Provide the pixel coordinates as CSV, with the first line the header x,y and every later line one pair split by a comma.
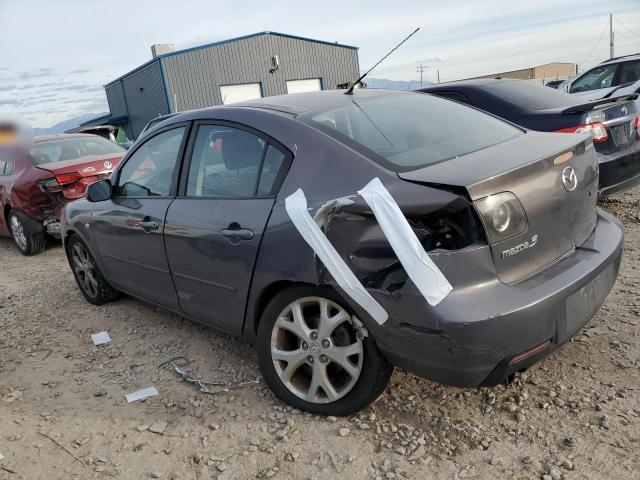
x,y
394,84
65,125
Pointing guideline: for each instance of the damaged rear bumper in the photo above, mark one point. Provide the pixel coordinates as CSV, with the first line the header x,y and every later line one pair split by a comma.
x,y
472,336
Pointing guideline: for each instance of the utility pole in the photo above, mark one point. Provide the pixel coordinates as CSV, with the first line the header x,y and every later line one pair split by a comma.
x,y
610,35
421,68
438,75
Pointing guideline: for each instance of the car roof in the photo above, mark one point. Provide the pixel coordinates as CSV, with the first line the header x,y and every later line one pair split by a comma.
x,y
299,103
621,59
476,82
60,136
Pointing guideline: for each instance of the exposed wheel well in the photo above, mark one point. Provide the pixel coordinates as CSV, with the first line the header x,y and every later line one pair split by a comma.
x,y
7,209
65,240
267,295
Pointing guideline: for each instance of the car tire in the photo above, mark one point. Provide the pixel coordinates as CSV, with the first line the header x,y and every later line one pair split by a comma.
x,y
325,356
27,234
88,276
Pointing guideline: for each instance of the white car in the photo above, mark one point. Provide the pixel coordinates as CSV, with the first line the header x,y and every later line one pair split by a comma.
x,y
602,79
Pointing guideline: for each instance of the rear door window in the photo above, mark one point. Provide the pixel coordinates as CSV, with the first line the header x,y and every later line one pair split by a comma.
x,y
629,72
408,131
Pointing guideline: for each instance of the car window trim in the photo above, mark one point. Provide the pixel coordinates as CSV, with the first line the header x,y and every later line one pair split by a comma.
x,y
175,179
188,155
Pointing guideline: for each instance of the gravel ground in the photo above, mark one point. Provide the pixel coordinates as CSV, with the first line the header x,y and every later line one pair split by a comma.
x,y
63,412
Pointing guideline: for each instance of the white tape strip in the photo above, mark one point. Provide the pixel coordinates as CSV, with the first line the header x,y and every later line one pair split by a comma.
x,y
296,206
433,285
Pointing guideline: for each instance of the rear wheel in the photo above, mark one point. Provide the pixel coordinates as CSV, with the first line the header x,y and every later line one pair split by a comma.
x,y
88,275
313,355
29,239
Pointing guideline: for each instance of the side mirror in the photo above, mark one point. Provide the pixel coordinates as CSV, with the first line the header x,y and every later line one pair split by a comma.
x,y
99,191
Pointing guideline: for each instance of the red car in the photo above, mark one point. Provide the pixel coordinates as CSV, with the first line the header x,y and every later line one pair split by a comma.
x,y
37,182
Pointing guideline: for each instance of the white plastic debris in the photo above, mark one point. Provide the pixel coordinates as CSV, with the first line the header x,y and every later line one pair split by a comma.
x,y
433,285
296,206
1,457
101,338
141,394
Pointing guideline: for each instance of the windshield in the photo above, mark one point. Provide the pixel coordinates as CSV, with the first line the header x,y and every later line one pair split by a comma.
x,y
409,131
71,148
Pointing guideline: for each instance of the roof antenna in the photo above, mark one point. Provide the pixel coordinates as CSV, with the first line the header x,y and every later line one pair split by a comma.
x,y
350,90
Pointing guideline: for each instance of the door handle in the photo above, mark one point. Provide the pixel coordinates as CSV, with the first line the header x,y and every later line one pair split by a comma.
x,y
147,224
237,233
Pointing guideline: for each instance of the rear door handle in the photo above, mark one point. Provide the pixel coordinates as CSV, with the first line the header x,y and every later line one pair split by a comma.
x,y
237,234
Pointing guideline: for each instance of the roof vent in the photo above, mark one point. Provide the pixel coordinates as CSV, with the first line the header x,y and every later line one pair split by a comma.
x,y
158,49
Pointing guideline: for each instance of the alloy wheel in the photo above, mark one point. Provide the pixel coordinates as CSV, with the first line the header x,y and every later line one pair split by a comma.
x,y
315,350
18,232
84,267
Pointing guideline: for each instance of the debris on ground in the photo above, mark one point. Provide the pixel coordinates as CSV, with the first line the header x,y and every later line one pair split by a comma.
x,y
141,394
601,330
100,338
203,386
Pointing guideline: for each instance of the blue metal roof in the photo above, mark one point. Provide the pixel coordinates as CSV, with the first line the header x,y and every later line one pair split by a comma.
x,y
222,42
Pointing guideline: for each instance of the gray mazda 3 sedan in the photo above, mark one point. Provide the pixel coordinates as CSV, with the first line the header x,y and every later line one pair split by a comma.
x,y
347,234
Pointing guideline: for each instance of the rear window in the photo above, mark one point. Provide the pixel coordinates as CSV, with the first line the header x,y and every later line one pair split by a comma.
x,y
62,149
409,131
531,95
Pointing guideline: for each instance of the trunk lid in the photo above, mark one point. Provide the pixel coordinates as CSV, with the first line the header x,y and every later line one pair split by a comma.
x,y
526,166
72,177
87,166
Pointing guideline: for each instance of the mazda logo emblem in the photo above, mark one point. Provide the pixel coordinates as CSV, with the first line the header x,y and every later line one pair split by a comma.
x,y
108,165
569,179
624,110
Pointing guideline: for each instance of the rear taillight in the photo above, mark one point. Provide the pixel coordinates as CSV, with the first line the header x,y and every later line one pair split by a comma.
x,y
636,124
597,131
56,184
65,179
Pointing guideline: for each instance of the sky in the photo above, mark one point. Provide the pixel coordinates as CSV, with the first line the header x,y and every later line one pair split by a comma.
x,y
55,56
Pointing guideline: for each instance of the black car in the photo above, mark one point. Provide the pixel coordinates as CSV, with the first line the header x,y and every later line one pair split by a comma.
x,y
612,122
346,234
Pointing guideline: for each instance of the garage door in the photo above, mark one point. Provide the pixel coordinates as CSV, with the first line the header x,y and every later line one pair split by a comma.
x,y
308,85
240,93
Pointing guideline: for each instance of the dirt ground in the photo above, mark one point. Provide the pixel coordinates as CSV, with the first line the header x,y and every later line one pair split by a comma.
x,y
63,413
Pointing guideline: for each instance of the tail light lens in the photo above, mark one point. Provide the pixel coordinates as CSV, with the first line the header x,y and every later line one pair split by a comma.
x,y
68,178
502,215
59,181
597,131
636,124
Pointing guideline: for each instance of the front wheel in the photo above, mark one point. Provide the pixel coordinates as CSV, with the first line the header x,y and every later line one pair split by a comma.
x,y
87,274
314,356
28,238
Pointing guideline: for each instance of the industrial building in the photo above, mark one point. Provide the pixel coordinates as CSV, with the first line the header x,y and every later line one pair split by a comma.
x,y
548,71
244,68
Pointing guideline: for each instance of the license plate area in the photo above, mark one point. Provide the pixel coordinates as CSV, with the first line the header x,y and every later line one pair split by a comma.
x,y
621,134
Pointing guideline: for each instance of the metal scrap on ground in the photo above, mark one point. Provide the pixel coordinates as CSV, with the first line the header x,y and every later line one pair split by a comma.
x,y
141,394
202,386
101,338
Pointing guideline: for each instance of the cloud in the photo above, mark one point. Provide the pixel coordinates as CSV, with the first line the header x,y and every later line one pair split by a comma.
x,y
38,73
7,88
9,103
83,70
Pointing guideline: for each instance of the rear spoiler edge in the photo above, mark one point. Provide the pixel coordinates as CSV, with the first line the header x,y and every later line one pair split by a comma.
x,y
585,107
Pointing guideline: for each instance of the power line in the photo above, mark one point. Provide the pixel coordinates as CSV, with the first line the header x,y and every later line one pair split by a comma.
x,y
596,44
626,28
629,39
